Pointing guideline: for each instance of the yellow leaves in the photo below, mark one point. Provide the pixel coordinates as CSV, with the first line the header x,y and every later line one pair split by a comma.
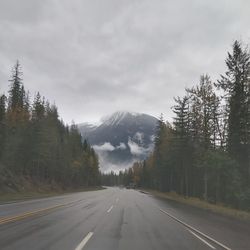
x,y
136,179
76,164
17,116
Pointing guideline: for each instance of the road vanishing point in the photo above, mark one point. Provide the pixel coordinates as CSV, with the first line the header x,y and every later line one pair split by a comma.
x,y
116,219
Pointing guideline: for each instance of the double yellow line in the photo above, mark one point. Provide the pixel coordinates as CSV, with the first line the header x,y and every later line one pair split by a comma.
x,y
18,217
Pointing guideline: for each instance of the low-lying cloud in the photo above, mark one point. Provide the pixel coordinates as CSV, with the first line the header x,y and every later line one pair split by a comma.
x,y
138,150
107,146
109,163
121,146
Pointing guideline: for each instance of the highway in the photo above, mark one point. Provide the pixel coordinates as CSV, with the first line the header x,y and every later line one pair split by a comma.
x,y
116,219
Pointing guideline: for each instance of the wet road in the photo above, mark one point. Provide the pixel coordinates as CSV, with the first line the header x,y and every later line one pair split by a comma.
x,y
113,219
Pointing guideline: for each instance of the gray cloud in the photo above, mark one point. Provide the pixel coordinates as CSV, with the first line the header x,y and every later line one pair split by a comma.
x,y
104,147
107,166
107,146
121,146
94,57
138,150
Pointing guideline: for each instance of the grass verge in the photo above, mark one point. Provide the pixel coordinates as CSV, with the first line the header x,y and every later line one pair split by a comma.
x,y
9,197
196,202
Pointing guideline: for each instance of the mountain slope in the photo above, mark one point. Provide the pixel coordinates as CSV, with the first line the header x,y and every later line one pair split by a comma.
x,y
121,138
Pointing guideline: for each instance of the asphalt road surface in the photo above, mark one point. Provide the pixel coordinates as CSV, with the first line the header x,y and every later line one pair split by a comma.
x,y
114,219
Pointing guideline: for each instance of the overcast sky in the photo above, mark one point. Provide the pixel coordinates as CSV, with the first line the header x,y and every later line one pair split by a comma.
x,y
93,57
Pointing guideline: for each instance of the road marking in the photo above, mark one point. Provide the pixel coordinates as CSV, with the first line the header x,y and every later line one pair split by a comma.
x,y
110,209
84,241
28,214
196,230
197,236
25,215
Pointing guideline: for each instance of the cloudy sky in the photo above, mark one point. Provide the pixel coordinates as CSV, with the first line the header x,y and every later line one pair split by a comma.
x,y
93,57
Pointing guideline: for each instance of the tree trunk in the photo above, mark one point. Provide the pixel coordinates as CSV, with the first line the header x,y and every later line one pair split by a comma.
x,y
205,185
186,182
217,194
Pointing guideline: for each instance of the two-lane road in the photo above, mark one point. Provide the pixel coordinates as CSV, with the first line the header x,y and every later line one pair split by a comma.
x,y
113,219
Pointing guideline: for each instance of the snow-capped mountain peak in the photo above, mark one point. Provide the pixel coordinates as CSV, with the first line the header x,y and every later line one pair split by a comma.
x,y
121,138
117,117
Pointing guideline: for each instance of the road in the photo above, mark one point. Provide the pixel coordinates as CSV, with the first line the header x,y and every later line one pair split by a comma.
x,y
116,219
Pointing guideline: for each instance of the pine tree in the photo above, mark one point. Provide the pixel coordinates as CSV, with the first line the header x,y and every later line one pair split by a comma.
x,y
35,143
181,142
16,92
18,102
158,154
38,110
205,101
235,83
2,122
248,126
2,108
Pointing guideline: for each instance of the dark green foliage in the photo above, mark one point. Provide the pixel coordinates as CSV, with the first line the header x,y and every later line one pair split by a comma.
x,y
36,144
181,144
235,83
2,108
206,153
16,92
2,122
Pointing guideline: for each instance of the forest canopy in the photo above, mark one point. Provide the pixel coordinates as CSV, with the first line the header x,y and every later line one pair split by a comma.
x,y
205,152
35,144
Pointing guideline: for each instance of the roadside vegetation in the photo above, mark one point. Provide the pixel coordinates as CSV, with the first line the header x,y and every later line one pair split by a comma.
x,y
205,152
201,203
36,147
41,190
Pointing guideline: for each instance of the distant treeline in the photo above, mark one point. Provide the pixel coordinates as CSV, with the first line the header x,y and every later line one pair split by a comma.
x,y
34,143
206,151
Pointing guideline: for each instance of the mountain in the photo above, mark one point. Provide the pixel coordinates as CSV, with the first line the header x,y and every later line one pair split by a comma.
x,y
121,138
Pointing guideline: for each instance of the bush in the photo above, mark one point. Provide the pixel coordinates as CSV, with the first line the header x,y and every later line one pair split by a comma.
x,y
244,199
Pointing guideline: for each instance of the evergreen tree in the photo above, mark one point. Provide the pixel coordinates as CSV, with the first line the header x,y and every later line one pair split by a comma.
x,y
235,83
2,108
205,101
38,110
2,122
161,167
35,143
16,92
181,143
207,151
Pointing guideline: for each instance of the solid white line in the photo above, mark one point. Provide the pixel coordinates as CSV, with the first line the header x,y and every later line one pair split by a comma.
x,y
84,241
196,230
110,209
202,239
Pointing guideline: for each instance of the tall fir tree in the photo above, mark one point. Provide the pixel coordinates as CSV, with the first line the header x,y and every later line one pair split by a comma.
x,y
235,83
16,92
181,143
2,122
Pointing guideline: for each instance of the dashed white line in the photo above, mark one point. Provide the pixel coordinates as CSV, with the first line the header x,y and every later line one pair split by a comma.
x,y
197,236
84,241
196,230
110,209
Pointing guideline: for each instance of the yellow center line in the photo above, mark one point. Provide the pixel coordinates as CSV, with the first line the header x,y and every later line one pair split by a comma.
x,y
5,220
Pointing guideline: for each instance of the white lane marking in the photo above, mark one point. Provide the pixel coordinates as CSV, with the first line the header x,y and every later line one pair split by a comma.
x,y
196,230
110,209
202,239
117,199
84,241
